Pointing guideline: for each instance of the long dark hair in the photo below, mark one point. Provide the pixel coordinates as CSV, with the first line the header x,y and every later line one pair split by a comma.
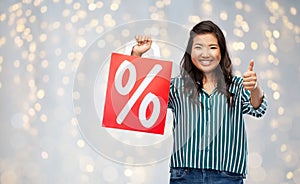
x,y
193,77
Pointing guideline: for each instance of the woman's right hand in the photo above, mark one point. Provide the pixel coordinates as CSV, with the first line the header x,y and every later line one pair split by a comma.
x,y
143,45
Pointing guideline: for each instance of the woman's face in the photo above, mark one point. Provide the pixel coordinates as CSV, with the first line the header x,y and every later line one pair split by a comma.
x,y
206,54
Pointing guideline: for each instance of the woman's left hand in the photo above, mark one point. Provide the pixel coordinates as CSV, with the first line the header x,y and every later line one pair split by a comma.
x,y
249,78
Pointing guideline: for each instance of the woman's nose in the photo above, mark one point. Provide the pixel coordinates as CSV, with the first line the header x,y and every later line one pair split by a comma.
x,y
205,53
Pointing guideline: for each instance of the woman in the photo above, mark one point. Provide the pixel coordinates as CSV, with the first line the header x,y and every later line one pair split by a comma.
x,y
208,103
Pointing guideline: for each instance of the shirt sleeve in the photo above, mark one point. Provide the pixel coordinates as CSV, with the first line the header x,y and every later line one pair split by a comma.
x,y
247,106
171,95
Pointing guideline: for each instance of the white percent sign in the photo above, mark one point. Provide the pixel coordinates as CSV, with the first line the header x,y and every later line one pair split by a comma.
x,y
125,90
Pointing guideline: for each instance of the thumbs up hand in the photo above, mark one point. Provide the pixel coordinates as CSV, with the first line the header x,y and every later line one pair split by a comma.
x,y
250,83
249,78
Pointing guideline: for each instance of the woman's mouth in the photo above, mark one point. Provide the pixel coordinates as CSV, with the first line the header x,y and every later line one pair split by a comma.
x,y
205,62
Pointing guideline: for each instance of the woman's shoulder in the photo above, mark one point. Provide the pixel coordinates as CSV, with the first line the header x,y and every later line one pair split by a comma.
x,y
176,83
236,84
236,80
176,80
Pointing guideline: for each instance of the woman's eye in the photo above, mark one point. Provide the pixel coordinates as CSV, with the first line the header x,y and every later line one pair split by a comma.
x,y
213,48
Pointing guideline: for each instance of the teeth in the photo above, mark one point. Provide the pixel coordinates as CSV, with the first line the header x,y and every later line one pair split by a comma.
x,y
205,62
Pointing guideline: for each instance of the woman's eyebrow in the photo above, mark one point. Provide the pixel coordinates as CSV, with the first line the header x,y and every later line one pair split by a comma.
x,y
211,44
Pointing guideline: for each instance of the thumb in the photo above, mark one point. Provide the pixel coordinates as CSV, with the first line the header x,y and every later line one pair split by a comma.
x,y
251,65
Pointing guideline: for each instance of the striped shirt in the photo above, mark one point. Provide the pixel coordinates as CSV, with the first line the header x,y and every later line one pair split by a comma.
x,y
211,134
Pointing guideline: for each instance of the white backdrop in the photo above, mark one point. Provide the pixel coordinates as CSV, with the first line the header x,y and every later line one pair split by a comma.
x,y
47,54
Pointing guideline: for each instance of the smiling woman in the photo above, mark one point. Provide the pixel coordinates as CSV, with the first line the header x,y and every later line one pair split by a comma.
x,y
208,104
54,65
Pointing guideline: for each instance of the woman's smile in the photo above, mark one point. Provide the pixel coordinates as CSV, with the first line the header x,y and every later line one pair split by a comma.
x,y
205,62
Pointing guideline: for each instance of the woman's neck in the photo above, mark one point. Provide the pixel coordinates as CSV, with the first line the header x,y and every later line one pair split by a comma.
x,y
210,83
210,78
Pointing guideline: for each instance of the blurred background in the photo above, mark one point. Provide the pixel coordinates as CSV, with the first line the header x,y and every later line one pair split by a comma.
x,y
46,53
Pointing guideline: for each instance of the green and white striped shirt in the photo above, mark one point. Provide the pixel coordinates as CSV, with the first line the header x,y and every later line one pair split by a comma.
x,y
211,134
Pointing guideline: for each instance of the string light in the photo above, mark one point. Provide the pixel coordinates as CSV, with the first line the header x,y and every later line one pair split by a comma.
x,y
42,43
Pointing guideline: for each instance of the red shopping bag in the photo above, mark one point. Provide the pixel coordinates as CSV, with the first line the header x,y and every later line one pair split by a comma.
x,y
137,94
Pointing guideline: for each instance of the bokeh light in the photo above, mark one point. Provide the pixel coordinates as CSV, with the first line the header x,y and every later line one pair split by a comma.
x,y
43,42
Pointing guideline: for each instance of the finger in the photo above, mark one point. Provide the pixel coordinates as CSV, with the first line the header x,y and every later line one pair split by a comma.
x,y
249,83
246,75
139,39
250,86
148,39
251,65
249,74
143,38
